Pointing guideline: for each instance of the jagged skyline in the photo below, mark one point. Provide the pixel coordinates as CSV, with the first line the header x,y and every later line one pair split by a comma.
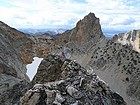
x,y
114,14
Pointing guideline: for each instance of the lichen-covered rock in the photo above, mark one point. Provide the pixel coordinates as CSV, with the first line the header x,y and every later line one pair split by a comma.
x,y
76,87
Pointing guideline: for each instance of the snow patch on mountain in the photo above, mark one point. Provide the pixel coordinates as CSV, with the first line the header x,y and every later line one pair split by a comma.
x,y
32,68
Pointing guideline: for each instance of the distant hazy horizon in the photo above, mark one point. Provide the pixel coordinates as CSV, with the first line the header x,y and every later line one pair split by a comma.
x,y
107,33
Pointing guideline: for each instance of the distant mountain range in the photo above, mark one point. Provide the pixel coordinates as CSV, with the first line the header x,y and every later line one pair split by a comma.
x,y
108,33
42,31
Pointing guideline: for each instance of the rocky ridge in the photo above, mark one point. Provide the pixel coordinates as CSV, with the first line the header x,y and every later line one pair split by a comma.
x,y
61,81
131,39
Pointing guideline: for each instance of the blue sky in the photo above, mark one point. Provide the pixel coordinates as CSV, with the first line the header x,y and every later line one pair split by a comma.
x,y
114,14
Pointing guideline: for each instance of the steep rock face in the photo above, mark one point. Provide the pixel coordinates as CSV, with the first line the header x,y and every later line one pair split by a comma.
x,y
12,69
10,45
25,45
118,65
86,29
61,81
131,39
87,32
21,42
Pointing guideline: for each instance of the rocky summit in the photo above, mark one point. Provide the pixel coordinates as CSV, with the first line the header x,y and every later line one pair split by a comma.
x,y
61,81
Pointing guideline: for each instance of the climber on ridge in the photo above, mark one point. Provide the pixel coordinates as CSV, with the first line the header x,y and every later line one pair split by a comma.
x,y
63,54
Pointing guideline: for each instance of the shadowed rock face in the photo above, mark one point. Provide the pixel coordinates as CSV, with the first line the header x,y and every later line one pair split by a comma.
x,y
73,85
49,70
12,69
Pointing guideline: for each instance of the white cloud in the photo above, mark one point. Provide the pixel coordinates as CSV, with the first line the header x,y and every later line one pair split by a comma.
x,y
54,13
122,20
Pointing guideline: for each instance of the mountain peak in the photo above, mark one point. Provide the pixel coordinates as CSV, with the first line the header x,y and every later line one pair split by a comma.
x,y
87,29
90,16
86,32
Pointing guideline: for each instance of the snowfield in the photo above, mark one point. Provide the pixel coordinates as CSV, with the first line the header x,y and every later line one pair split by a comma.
x,y
32,68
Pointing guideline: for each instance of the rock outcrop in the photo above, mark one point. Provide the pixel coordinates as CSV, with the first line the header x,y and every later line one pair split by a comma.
x,y
60,81
131,39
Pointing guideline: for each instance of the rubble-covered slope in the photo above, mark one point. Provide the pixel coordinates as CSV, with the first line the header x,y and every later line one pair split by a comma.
x,y
60,81
119,66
